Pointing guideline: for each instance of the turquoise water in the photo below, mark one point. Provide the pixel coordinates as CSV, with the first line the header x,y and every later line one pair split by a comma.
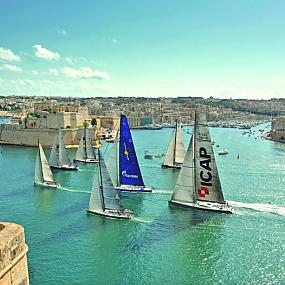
x,y
162,245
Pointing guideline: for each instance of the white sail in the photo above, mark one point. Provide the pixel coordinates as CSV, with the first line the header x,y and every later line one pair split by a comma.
x,y
53,158
185,185
112,163
46,172
175,152
38,169
80,151
89,147
179,147
96,203
111,197
169,156
208,186
62,153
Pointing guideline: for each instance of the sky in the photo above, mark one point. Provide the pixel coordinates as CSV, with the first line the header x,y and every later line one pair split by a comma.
x,y
150,48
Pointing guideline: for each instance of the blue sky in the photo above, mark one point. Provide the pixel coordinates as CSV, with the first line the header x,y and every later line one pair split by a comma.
x,y
153,48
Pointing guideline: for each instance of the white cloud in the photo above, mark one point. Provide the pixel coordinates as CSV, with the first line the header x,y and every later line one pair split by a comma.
x,y
85,73
9,67
61,32
53,71
42,52
8,55
69,59
35,72
115,41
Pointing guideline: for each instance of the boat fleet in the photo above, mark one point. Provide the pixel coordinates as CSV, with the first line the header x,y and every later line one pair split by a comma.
x,y
198,185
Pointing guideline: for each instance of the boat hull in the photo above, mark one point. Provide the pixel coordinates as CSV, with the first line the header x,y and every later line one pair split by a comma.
x,y
47,185
65,167
89,160
113,214
134,189
206,206
176,166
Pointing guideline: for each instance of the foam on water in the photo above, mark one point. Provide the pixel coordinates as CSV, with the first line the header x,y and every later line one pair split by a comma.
x,y
72,190
266,208
141,220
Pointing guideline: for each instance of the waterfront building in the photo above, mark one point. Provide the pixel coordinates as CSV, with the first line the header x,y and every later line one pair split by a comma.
x,y
278,129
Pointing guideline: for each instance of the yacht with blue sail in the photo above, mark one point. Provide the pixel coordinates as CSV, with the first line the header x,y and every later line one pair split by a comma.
x,y
123,164
198,184
104,199
43,174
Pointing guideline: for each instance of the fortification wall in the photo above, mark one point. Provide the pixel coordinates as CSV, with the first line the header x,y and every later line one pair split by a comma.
x,y
13,259
30,137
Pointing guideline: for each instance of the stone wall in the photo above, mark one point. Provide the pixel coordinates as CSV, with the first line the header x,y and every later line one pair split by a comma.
x,y
13,259
30,137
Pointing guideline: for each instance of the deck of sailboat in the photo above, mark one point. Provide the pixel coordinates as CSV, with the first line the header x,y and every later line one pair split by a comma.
x,y
171,166
133,189
47,185
88,160
112,214
205,206
65,167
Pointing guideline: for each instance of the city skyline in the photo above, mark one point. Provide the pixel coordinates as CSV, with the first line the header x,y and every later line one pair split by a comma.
x,y
129,48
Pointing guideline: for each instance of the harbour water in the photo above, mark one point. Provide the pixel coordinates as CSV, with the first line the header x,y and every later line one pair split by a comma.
x,y
162,244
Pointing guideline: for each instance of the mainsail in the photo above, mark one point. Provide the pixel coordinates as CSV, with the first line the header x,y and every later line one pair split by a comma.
x,y
129,170
89,147
175,152
53,158
80,151
185,185
46,172
38,169
208,186
62,153
112,163
104,195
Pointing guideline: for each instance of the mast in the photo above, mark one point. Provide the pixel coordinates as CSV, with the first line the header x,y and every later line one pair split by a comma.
x,y
194,159
101,182
175,137
84,140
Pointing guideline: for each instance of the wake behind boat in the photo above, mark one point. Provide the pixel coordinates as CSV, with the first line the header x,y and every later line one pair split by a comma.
x,y
104,199
85,152
123,163
43,174
61,160
175,152
198,184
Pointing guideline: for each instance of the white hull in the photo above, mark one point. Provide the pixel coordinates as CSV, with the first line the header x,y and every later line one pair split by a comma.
x,y
113,214
65,167
88,160
47,184
208,206
133,188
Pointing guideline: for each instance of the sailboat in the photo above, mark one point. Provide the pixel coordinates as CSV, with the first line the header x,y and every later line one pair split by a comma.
x,y
104,199
85,152
43,174
175,152
123,163
198,184
60,160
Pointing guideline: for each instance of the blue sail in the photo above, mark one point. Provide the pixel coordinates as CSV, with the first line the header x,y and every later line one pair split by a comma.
x,y
129,169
